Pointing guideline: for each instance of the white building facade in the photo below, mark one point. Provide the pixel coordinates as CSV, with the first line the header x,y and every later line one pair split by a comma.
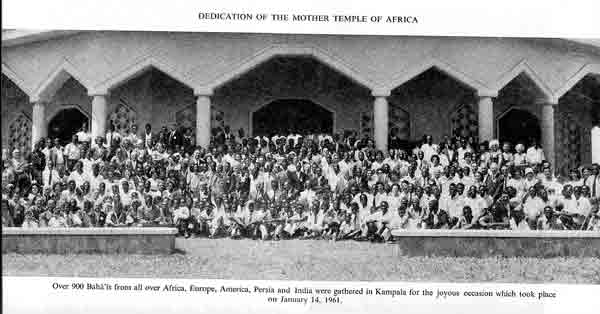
x,y
507,88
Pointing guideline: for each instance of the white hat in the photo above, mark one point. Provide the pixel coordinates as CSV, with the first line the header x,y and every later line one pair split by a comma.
x,y
528,171
494,142
520,147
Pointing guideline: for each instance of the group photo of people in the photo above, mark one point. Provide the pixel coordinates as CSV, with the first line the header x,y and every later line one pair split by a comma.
x,y
287,186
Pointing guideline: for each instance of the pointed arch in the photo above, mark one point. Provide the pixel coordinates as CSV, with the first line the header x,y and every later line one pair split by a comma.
x,y
12,75
592,68
57,78
445,68
524,68
282,50
138,67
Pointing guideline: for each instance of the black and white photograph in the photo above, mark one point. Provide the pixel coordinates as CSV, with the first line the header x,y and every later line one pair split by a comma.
x,y
300,157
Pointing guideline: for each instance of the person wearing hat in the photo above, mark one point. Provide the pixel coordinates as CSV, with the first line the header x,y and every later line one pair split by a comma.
x,y
530,178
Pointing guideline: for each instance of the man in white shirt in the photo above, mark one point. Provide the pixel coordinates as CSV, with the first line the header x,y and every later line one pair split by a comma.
x,y
452,203
535,154
47,151
133,136
58,153
49,175
83,135
125,193
78,175
428,148
96,178
591,179
549,181
148,136
72,152
111,136
475,202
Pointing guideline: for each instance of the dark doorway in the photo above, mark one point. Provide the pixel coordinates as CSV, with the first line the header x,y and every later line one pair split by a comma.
x,y
286,116
66,123
519,126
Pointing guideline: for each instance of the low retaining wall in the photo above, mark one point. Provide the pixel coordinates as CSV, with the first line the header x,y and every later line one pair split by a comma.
x,y
89,240
508,243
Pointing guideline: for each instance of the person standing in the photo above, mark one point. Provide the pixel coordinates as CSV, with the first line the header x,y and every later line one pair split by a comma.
x,y
72,152
148,136
83,135
591,179
535,154
38,162
49,175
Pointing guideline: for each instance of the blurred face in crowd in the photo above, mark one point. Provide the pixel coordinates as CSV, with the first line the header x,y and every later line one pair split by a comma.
x,y
494,168
567,191
482,191
472,191
585,191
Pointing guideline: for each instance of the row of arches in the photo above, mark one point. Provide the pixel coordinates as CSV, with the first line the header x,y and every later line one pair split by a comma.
x,y
66,69
276,115
515,103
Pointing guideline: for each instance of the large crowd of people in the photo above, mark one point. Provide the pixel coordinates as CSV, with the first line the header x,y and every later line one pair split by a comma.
x,y
333,186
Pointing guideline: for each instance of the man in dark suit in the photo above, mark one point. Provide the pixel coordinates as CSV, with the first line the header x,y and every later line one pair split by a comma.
x,y
163,136
495,182
175,138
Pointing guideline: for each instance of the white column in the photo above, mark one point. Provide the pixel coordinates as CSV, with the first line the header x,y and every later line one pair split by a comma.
x,y
39,129
596,144
381,119
203,127
99,115
486,118
547,126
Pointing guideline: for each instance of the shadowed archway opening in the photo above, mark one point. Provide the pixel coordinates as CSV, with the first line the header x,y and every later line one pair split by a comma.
x,y
578,113
286,116
519,126
66,123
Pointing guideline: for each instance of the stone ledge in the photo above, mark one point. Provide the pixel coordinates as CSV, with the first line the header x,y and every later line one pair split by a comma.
x,y
89,240
493,243
91,231
545,234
